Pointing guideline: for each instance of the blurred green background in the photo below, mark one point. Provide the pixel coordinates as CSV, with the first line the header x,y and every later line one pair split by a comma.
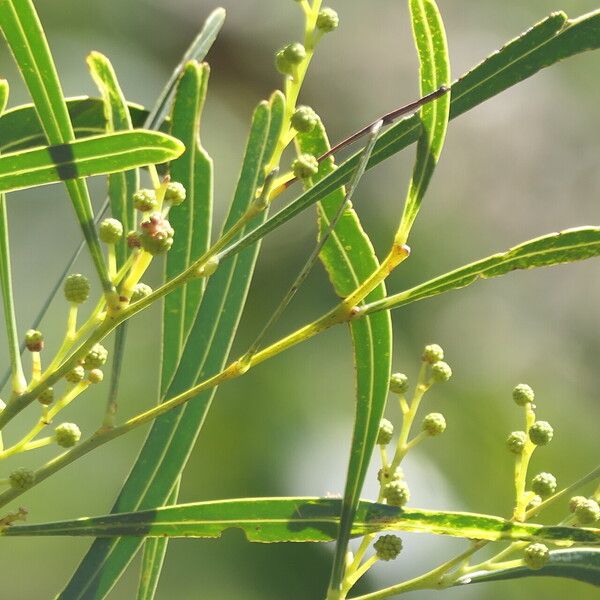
x,y
524,164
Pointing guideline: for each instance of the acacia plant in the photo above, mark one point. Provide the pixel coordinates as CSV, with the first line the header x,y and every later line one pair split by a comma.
x,y
159,207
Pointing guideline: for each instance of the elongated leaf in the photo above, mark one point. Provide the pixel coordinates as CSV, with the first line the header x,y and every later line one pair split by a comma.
x,y
349,258
191,220
108,153
155,550
301,520
580,564
172,437
434,72
23,32
553,39
570,245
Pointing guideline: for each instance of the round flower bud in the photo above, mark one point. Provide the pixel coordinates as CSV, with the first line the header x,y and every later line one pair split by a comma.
x,y
175,193
96,357
95,376
67,435
294,53
434,424
536,556
77,288
575,501
534,502
387,547
283,64
21,479
156,236
34,340
141,290
384,475
110,231
398,383
305,119
386,431
516,441
145,200
305,166
75,375
433,353
587,511
441,372
46,397
523,394
396,493
133,240
541,433
327,20
544,484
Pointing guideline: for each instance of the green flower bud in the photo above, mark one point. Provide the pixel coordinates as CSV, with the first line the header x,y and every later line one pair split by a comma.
x,y
95,376
21,479
434,424
544,484
523,394
305,119
141,290
156,236
441,372
145,200
433,353
34,340
398,383
587,511
541,433
386,431
294,53
305,166
536,556
175,193
575,501
46,397
67,435
75,375
77,288
534,502
283,64
133,240
209,267
396,493
384,475
110,231
516,441
387,547
96,357
327,20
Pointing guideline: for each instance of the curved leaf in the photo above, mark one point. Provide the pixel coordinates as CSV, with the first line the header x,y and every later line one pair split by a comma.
x,y
578,243
97,155
581,564
300,520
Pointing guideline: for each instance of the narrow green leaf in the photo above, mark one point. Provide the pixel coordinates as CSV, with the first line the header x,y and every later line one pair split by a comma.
x,y
192,219
97,155
578,243
153,557
349,258
172,437
580,564
23,32
537,48
301,520
434,72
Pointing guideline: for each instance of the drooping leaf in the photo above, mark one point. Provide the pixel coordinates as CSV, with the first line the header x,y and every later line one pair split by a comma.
x,y
549,41
97,155
570,245
580,564
172,437
192,219
300,520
